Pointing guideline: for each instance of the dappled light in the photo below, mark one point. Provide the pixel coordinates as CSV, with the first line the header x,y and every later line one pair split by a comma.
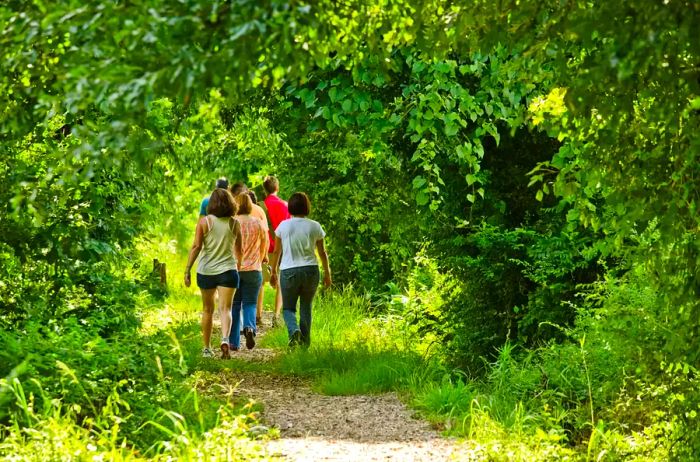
x,y
505,193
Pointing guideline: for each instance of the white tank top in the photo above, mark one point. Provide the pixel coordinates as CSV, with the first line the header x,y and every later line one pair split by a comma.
x,y
217,255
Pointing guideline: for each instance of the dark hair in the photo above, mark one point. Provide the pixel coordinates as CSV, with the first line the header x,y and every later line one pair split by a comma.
x,y
245,205
221,203
299,204
252,196
271,184
238,188
222,183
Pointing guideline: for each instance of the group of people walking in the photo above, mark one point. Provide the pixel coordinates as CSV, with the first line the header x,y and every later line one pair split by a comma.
x,y
240,247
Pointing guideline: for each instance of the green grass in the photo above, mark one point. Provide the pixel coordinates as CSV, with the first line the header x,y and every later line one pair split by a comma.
x,y
349,353
190,410
138,395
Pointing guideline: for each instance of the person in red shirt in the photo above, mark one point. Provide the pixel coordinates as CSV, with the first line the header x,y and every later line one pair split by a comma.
x,y
277,211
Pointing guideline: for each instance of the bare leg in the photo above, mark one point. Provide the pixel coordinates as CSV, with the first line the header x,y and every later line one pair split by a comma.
x,y
207,312
225,301
259,308
278,300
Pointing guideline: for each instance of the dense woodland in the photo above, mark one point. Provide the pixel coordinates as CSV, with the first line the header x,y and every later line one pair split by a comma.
x,y
513,185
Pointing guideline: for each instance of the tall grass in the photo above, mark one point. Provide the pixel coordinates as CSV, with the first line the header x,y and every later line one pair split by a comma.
x,y
350,353
55,434
133,396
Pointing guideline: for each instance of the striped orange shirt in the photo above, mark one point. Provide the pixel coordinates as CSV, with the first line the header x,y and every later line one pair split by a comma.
x,y
253,240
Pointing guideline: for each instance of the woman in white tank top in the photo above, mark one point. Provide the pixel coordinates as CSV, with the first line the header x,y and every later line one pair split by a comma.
x,y
217,241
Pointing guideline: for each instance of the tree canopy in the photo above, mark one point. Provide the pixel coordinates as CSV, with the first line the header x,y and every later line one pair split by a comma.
x,y
544,154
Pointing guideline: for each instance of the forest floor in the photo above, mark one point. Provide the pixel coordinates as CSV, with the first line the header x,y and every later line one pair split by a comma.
x,y
317,427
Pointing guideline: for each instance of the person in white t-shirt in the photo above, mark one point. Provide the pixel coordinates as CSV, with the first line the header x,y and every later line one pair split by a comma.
x,y
297,239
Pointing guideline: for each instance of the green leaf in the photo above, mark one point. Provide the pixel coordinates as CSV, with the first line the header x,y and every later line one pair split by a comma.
x,y
572,215
422,198
418,182
333,94
451,129
470,179
695,104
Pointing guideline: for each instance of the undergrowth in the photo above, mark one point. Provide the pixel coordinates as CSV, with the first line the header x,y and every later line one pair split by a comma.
x,y
146,393
74,392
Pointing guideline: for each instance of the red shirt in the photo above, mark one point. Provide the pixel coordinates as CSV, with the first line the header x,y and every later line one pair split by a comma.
x,y
278,212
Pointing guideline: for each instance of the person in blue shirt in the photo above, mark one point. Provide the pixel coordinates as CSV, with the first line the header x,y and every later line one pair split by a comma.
x,y
220,183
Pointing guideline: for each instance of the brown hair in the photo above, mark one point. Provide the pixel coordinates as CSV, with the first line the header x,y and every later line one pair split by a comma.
x,y
221,203
238,188
245,205
271,184
253,196
299,204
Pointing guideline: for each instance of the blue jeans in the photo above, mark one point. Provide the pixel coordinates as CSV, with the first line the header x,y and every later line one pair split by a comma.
x,y
246,299
299,284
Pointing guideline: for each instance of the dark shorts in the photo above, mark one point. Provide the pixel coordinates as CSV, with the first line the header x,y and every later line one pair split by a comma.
x,y
225,279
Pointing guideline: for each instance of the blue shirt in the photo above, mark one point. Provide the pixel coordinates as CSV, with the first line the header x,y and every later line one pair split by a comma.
x,y
203,207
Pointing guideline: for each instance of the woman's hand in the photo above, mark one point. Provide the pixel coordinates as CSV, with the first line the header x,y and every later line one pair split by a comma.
x,y
327,280
188,279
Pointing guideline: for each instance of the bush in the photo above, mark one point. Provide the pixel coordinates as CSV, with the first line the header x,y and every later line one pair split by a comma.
x,y
503,286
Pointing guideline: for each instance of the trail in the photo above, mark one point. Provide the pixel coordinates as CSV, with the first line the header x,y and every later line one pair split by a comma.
x,y
315,427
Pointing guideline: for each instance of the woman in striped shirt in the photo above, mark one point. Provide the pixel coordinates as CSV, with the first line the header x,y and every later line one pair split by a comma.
x,y
254,244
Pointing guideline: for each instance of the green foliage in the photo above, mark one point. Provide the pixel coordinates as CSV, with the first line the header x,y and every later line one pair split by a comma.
x,y
502,285
407,122
349,353
53,434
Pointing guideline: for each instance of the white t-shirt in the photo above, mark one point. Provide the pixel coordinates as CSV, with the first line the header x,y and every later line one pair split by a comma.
x,y
299,237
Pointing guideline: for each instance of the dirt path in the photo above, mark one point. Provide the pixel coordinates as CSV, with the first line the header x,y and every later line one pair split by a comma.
x,y
315,427
341,428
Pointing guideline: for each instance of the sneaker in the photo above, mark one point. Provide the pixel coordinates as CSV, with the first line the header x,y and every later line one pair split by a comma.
x,y
225,351
249,338
207,353
295,339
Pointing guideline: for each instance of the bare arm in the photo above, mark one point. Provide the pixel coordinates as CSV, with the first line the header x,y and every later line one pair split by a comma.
x,y
196,248
321,248
238,245
263,245
275,261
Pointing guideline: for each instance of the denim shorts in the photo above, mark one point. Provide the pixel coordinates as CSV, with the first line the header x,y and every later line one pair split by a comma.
x,y
212,281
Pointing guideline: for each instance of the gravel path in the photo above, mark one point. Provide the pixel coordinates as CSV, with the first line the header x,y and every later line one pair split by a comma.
x,y
341,428
316,427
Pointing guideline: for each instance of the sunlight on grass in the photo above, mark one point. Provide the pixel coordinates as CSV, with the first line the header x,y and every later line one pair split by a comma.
x,y
350,353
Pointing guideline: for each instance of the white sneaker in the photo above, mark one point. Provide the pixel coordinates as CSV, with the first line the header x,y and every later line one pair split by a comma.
x,y
207,353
